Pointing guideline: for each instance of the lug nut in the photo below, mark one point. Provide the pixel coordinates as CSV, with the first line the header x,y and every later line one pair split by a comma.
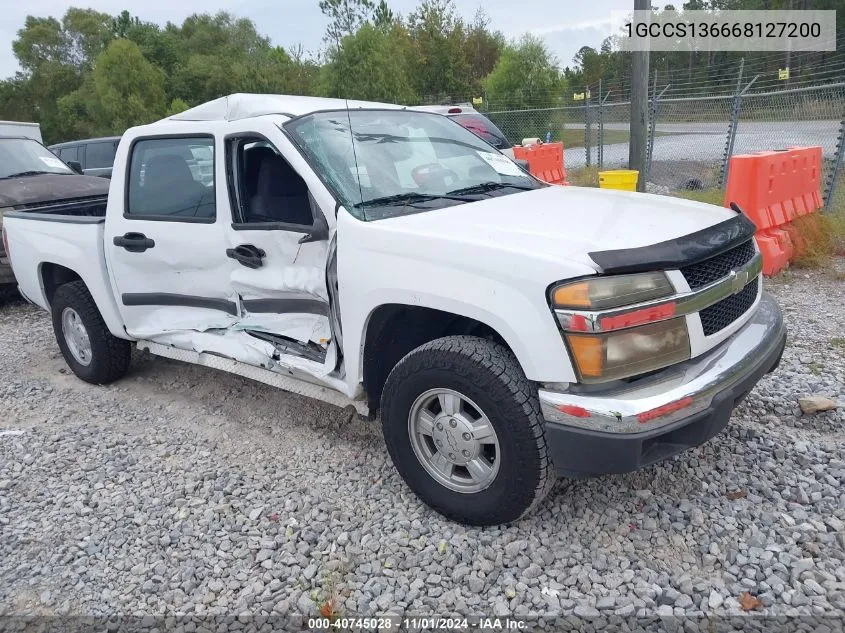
x,y
452,423
467,437
439,426
465,453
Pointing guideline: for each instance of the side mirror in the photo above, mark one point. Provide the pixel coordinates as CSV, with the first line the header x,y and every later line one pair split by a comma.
x,y
75,165
320,231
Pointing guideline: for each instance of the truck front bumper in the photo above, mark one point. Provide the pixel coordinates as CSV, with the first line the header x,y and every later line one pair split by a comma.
x,y
623,428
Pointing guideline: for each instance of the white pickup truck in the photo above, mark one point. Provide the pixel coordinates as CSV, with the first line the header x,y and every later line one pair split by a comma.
x,y
368,255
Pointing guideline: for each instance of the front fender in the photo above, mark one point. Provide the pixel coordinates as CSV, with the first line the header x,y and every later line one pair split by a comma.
x,y
375,270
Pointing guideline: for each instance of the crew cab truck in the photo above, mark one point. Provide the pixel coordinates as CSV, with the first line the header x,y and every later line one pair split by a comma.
x,y
369,255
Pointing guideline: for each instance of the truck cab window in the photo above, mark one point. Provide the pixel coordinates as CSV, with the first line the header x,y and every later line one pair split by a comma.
x,y
168,182
270,190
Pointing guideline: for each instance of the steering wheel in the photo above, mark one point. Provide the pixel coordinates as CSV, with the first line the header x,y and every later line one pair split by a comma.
x,y
434,175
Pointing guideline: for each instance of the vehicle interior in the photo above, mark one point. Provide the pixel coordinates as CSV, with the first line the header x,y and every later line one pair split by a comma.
x,y
271,190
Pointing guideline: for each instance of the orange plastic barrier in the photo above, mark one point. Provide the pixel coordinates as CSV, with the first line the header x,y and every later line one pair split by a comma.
x,y
545,161
774,188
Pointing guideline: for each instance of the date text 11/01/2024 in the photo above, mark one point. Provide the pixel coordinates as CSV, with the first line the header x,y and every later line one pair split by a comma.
x,y
421,623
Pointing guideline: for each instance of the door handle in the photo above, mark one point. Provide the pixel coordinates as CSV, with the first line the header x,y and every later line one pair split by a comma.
x,y
134,242
247,255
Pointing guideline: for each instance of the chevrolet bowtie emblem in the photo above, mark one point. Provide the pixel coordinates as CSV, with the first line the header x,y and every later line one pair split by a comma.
x,y
739,279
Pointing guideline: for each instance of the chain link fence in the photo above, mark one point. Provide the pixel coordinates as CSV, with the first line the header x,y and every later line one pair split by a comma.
x,y
691,139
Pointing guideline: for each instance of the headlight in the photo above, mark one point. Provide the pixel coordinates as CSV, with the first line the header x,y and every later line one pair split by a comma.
x,y
601,357
599,293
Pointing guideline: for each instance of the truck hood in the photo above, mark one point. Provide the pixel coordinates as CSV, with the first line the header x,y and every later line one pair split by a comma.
x,y
557,223
26,190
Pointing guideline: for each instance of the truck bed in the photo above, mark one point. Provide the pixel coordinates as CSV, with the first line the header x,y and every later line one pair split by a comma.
x,y
45,240
94,206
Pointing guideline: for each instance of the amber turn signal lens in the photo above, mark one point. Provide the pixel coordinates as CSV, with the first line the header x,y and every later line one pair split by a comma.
x,y
589,354
631,351
574,295
600,293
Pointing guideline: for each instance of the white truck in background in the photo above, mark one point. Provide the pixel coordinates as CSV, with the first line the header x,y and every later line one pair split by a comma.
x,y
21,129
369,255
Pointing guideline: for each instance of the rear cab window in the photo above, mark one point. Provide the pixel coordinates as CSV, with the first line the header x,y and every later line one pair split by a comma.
x,y
483,128
167,180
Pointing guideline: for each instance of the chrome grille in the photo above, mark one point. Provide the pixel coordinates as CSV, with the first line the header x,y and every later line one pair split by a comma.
x,y
720,315
715,268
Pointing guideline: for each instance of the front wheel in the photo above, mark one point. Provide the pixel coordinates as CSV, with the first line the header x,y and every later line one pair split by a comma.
x,y
463,427
90,350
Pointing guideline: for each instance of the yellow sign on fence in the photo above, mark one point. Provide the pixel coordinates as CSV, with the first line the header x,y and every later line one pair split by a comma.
x,y
577,96
783,73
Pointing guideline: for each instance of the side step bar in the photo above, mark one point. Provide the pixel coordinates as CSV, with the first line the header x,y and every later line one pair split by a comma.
x,y
272,378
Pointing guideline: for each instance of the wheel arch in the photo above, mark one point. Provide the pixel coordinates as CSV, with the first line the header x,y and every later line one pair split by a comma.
x,y
52,275
394,329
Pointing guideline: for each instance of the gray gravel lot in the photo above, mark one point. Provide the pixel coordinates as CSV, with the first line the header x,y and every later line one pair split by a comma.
x,y
184,490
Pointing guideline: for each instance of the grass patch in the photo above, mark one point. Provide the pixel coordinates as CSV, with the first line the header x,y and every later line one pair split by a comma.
x,y
710,196
818,237
583,176
838,341
575,137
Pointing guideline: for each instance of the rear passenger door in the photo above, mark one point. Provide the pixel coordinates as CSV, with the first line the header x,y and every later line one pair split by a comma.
x,y
278,244
164,239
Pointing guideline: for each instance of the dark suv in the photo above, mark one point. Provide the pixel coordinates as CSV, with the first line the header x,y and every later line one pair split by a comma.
x,y
94,155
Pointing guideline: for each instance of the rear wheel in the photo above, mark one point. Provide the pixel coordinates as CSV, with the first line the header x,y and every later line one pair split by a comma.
x,y
463,427
90,350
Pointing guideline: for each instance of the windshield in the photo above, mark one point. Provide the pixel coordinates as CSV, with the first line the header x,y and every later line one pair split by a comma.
x,y
400,161
26,157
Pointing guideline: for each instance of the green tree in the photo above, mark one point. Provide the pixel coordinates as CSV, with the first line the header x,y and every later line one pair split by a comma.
x,y
127,87
345,17
88,33
481,49
437,34
371,64
383,17
525,76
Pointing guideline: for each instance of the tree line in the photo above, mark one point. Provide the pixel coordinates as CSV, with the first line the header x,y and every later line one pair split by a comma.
x,y
94,74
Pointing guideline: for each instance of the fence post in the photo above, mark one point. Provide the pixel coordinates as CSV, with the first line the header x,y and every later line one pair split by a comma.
x,y
600,143
588,130
655,100
838,164
652,121
729,141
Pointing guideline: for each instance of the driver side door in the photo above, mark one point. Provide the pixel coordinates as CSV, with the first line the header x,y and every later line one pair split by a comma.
x,y
278,247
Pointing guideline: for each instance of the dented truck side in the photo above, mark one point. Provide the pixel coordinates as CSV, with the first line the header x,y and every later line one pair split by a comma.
x,y
506,330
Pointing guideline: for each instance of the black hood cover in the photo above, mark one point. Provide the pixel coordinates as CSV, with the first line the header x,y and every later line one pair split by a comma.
x,y
27,190
682,251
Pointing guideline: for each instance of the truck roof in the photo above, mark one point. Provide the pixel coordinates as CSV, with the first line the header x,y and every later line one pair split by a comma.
x,y
243,106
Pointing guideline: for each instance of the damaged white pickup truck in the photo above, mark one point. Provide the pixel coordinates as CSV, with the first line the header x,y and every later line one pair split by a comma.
x,y
373,256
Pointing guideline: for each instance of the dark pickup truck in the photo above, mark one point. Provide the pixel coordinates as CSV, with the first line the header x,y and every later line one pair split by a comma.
x,y
33,178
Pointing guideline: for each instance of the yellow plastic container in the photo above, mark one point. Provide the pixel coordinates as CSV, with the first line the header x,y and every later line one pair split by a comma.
x,y
624,179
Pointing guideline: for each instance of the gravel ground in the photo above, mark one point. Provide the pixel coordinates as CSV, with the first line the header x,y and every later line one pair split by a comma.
x,y
183,490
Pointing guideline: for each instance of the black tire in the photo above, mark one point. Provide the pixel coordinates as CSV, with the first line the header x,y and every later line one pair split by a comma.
x,y
490,376
110,355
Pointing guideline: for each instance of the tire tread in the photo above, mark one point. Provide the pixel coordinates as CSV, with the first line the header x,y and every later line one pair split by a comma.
x,y
506,381
113,362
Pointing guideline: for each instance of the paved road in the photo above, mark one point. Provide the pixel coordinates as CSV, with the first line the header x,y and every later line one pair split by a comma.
x,y
705,141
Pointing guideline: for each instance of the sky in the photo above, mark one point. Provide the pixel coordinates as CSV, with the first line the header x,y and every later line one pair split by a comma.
x,y
565,25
